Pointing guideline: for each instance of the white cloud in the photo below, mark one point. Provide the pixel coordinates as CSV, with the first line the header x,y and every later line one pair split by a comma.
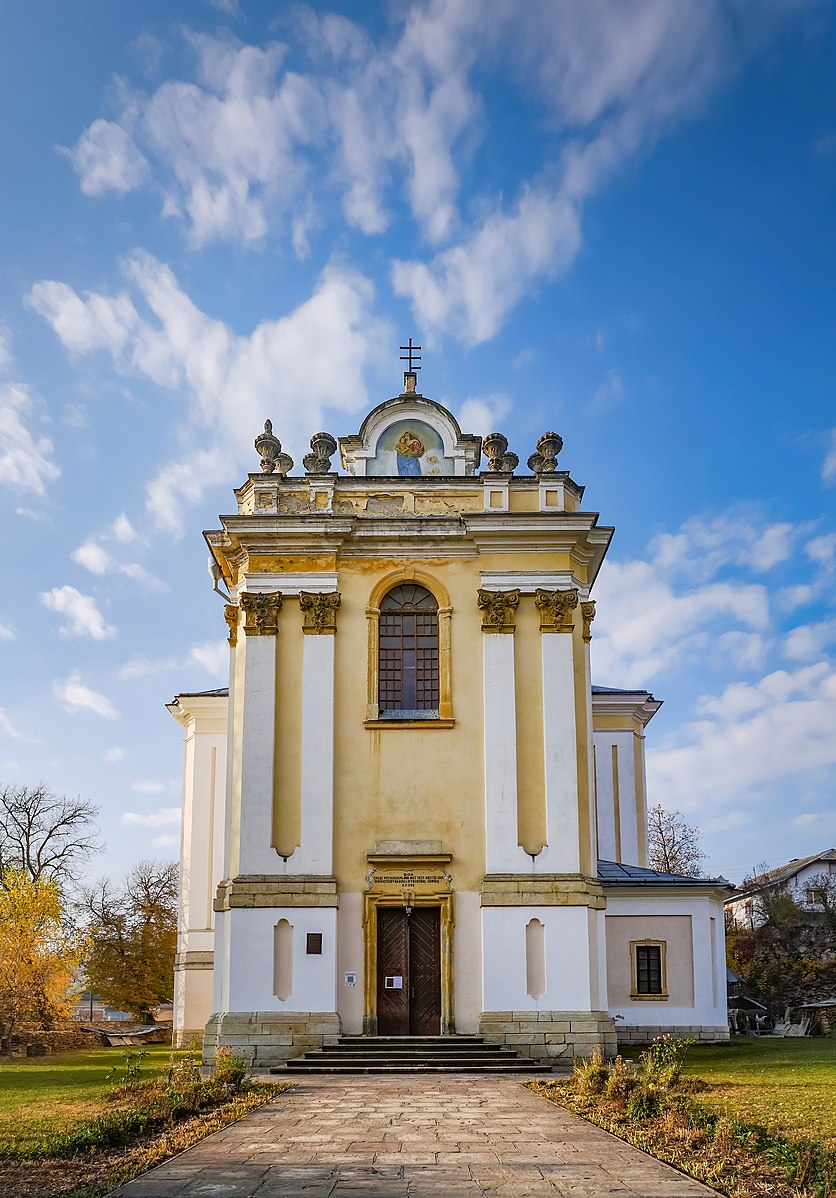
x,y
6,633
828,469
481,414
75,416
7,727
142,667
470,288
609,393
809,641
231,383
77,697
822,550
93,557
113,755
212,656
106,159
26,462
83,616
6,353
163,817
751,741
645,625
155,786
167,841
123,530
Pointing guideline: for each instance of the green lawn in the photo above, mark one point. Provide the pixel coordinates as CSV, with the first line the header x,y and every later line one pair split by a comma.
x,y
786,1085
39,1095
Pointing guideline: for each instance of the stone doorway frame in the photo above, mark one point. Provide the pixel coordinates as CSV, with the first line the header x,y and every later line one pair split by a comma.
x,y
424,895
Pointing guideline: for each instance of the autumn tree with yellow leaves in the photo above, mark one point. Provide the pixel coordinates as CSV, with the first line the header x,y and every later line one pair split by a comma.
x,y
39,954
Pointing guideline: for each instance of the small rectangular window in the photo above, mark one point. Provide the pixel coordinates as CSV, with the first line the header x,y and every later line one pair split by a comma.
x,y
649,969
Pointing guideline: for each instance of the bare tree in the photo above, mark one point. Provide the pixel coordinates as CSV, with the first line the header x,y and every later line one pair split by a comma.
x,y
673,846
46,835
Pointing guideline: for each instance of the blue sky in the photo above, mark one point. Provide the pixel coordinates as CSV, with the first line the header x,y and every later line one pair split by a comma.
x,y
609,217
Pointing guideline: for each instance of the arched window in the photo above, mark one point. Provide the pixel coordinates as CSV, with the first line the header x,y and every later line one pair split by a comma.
x,y
408,654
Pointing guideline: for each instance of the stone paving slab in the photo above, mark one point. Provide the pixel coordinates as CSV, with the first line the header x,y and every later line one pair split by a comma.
x,y
411,1137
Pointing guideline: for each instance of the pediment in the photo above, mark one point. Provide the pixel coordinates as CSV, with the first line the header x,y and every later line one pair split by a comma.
x,y
410,436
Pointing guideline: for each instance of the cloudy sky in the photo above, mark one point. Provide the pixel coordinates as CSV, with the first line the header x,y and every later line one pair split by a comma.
x,y
609,217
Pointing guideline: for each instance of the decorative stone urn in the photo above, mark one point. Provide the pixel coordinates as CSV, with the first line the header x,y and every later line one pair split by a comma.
x,y
324,447
493,447
549,446
268,448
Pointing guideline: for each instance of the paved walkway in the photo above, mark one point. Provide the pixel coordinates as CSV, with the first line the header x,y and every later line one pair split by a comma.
x,y
411,1137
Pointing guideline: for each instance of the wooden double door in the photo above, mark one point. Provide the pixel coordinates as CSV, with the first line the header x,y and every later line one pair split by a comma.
x,y
408,971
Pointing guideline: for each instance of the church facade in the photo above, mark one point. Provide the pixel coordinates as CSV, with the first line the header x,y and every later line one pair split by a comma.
x,y
411,812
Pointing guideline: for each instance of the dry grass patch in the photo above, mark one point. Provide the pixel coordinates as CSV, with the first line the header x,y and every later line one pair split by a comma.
x,y
663,1109
67,1130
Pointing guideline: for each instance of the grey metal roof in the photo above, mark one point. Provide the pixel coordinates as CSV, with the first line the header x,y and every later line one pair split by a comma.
x,y
784,873
613,873
617,690
221,690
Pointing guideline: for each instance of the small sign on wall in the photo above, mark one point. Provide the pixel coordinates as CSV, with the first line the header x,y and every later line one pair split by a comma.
x,y
351,978
313,944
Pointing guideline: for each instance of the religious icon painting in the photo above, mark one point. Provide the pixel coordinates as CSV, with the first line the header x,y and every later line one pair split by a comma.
x,y
409,448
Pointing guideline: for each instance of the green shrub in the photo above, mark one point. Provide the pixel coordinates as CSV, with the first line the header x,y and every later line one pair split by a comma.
x,y
662,1061
590,1075
130,1073
230,1070
645,1102
621,1081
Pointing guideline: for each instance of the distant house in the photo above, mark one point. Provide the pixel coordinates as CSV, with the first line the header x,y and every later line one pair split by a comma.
x,y
804,877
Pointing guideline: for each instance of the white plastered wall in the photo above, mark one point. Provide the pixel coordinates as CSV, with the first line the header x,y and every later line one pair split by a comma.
x,y
575,968
250,973
707,952
618,839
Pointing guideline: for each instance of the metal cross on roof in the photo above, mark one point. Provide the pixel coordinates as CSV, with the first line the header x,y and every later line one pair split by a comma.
x,y
411,356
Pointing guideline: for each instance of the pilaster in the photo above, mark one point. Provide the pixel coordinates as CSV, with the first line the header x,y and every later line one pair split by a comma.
x,y
500,729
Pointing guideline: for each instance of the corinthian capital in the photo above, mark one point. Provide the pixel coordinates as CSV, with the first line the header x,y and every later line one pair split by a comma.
x,y
498,610
261,613
588,615
555,609
319,611
231,616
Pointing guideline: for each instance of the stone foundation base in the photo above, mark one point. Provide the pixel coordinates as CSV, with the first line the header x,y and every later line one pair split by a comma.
x,y
554,1037
184,1037
267,1038
632,1034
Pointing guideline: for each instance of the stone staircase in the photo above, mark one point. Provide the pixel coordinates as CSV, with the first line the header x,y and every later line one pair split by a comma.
x,y
411,1054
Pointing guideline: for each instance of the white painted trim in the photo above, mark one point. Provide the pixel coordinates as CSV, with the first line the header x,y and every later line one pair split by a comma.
x,y
562,851
258,727
529,581
288,583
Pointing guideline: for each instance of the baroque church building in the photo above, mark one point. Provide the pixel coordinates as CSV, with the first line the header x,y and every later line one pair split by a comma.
x,y
412,813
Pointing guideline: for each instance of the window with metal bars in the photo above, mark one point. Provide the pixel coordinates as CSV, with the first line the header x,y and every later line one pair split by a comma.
x,y
408,654
649,969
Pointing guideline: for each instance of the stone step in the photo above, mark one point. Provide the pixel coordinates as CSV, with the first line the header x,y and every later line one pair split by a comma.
x,y
299,1065
411,1054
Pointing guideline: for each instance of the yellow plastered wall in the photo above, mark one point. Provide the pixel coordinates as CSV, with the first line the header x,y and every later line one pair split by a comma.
x,y
408,783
